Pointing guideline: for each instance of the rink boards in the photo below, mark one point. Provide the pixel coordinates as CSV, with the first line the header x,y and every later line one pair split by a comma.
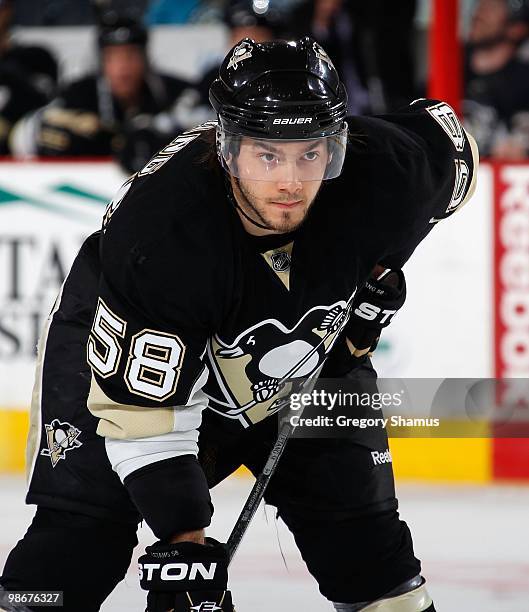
x,y
471,276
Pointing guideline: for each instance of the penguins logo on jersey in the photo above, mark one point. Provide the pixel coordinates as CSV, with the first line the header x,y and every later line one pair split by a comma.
x,y
60,437
254,375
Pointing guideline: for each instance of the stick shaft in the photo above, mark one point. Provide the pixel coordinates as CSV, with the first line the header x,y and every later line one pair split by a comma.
x,y
258,490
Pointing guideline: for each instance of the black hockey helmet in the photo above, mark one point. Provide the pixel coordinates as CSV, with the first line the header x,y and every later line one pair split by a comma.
x,y
280,90
122,31
260,83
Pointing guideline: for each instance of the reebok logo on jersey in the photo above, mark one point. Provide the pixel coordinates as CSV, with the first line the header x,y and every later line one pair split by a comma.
x,y
380,458
293,121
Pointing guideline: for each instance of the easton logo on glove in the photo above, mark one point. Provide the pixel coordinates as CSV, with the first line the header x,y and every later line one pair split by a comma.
x,y
184,566
177,571
206,606
374,306
371,312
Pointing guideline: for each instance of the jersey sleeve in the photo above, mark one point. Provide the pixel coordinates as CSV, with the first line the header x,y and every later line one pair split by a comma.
x,y
420,167
160,298
165,286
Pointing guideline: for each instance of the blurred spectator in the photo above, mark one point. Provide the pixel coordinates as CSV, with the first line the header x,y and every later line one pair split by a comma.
x,y
243,21
371,45
170,11
127,110
65,12
28,77
386,36
330,23
496,105
249,19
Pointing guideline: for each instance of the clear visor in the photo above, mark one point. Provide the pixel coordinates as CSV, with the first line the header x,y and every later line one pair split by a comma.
x,y
282,160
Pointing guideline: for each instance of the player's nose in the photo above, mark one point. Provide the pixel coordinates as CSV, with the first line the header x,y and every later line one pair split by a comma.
x,y
289,181
290,186
289,174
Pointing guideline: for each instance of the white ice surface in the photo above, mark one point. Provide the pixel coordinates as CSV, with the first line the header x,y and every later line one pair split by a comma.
x,y
473,541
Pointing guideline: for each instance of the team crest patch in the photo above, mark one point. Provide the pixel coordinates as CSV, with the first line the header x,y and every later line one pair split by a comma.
x,y
280,261
61,437
241,52
321,54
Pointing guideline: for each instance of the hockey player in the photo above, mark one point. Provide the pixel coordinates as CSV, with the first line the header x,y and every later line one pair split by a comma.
x,y
235,258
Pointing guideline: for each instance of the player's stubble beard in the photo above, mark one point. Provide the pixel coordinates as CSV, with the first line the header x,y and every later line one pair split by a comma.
x,y
282,223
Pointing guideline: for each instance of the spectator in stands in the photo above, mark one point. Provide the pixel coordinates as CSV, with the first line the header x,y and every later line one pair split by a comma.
x,y
127,110
242,21
28,77
371,45
67,12
329,22
496,105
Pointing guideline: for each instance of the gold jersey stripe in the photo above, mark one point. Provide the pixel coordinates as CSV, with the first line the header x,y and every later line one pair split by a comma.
x,y
123,421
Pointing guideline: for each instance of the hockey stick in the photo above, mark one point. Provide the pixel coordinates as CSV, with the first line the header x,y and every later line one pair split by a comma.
x,y
258,490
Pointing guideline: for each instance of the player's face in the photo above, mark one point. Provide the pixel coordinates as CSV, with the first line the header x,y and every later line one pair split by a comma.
x,y
124,69
489,20
286,180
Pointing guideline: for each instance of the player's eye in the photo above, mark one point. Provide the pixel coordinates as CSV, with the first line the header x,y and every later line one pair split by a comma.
x,y
268,158
311,156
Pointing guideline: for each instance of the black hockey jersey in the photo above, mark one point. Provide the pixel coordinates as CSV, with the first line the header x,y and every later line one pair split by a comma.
x,y
192,309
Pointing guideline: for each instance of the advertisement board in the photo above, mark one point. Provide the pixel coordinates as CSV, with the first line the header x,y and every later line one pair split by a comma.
x,y
466,316
511,320
46,211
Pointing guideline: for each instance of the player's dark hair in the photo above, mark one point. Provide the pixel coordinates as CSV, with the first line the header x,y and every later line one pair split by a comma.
x,y
209,157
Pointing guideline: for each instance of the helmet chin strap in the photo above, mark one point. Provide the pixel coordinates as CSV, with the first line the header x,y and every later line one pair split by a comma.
x,y
233,200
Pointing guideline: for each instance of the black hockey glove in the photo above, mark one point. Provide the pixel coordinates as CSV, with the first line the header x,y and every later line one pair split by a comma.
x,y
374,306
186,577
